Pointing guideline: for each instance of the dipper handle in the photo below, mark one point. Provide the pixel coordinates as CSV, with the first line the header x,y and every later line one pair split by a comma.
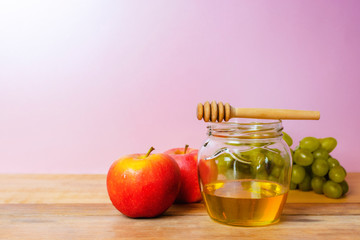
x,y
218,112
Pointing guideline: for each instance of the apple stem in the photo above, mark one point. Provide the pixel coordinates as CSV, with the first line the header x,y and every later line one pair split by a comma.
x,y
186,148
150,150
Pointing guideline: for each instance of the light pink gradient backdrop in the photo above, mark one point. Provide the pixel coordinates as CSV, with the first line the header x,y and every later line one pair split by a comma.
x,y
84,82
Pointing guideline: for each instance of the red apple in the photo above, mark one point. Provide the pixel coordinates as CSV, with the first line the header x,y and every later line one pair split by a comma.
x,y
208,171
186,158
143,185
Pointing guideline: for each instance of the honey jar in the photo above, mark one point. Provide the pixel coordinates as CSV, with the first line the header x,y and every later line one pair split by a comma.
x,y
244,171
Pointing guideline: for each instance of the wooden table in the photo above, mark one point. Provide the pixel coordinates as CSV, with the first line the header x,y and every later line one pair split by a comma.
x,y
77,207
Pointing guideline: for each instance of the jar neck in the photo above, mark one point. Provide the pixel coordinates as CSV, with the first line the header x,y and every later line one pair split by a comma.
x,y
247,129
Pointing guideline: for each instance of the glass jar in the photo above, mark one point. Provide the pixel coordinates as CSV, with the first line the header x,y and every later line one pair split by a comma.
x,y
244,171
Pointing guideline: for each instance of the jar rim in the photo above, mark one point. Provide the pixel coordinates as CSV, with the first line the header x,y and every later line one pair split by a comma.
x,y
247,128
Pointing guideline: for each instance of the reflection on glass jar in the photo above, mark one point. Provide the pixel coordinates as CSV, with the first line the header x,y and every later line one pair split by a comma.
x,y
244,170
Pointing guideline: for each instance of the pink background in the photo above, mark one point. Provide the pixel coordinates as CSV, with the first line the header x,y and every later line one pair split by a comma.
x,y
84,82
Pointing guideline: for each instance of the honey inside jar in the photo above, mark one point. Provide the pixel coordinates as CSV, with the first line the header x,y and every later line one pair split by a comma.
x,y
245,202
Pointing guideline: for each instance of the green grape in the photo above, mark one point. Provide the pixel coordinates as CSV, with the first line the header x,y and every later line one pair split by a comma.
x,y
317,184
275,158
262,175
328,144
332,189
276,171
232,174
282,175
309,143
320,167
244,169
237,173
273,178
337,174
297,174
344,185
237,170
332,162
224,162
258,162
293,186
303,157
287,139
305,185
251,155
321,153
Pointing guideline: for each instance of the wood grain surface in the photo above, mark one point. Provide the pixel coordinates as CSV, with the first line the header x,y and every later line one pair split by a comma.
x,y
77,207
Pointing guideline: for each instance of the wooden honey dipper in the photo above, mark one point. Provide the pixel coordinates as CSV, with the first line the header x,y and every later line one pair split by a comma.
x,y
218,112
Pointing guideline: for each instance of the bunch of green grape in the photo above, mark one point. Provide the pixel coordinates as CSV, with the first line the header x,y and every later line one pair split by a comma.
x,y
315,169
256,163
